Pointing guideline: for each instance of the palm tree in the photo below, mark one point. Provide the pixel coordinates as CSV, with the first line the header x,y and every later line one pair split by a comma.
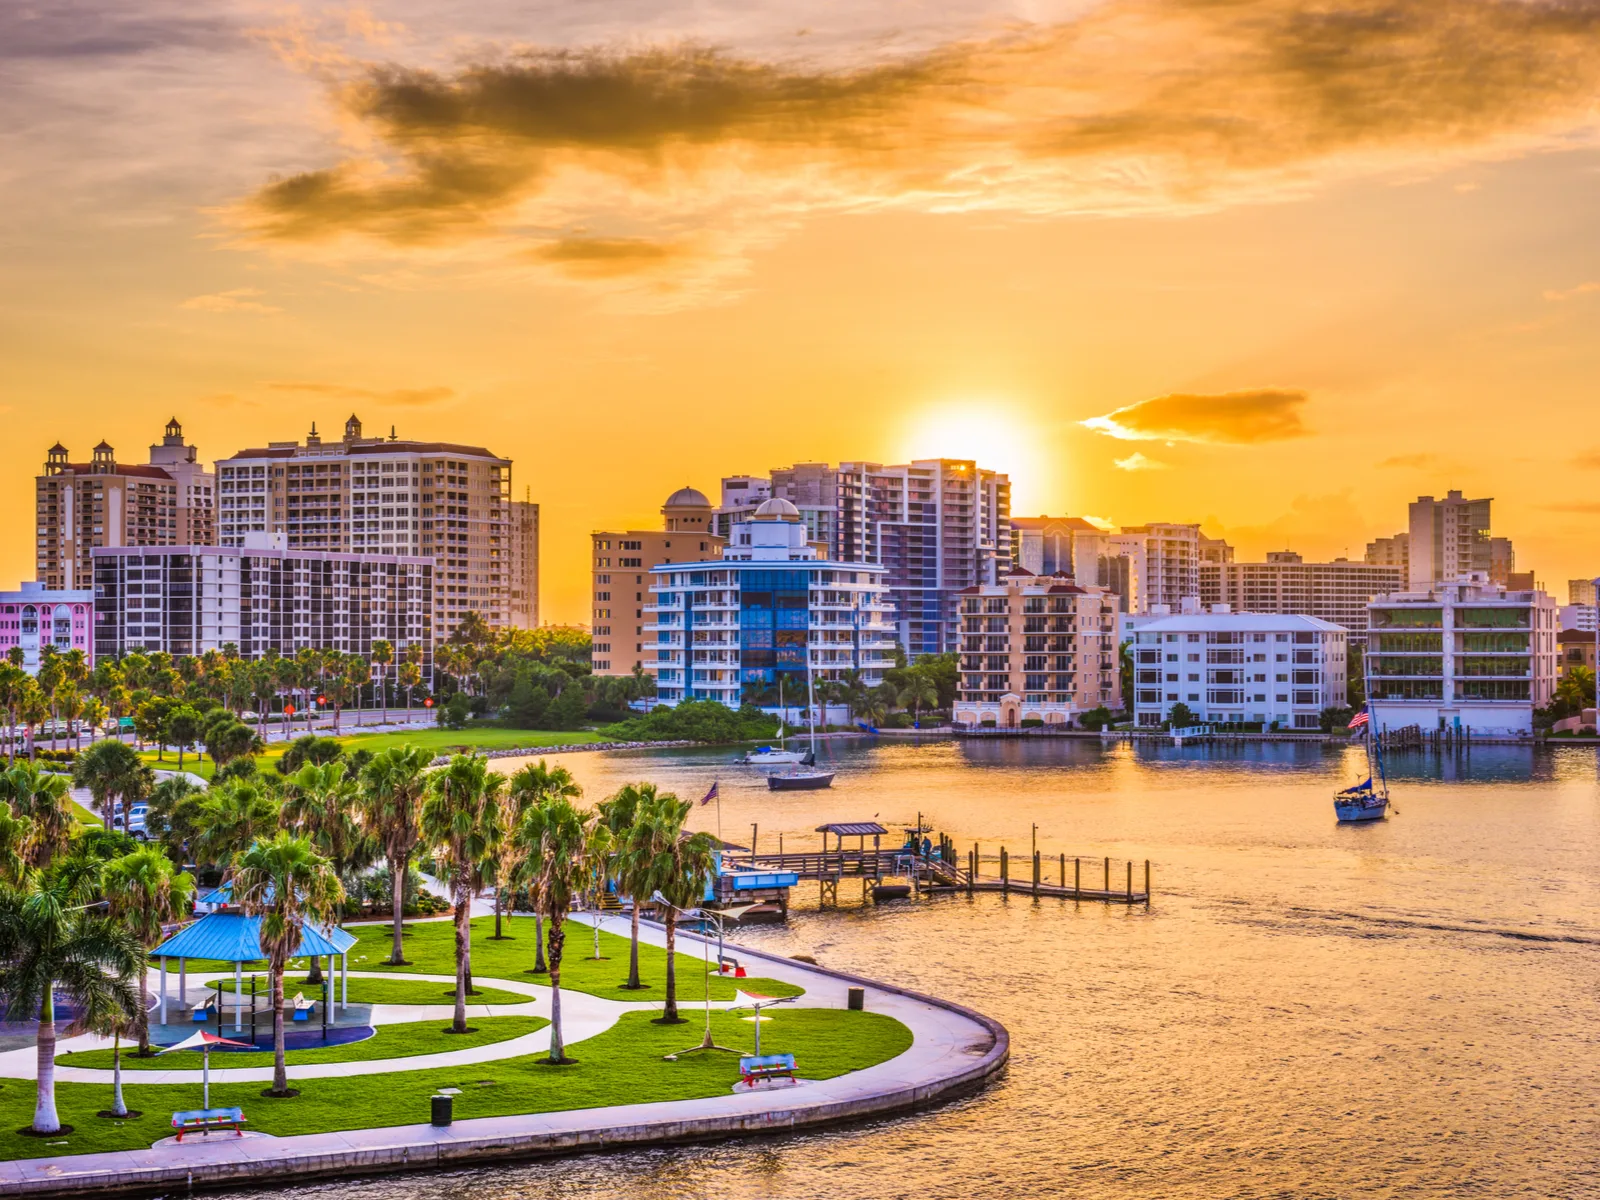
x,y
15,833
561,839
319,803
286,883
918,693
392,787
683,871
356,675
232,818
45,801
49,942
534,784
145,893
634,817
14,682
462,820
409,677
110,770
49,676
32,708
182,726
94,716
382,656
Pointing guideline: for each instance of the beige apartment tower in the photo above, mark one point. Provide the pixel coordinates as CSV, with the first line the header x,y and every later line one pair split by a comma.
x,y
375,495
621,563
524,541
168,501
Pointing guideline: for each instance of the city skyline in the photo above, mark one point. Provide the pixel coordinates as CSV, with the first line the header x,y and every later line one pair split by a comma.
x,y
1286,335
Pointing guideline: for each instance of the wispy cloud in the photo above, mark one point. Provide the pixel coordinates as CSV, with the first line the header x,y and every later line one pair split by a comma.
x,y
1589,460
1229,418
410,397
1576,506
1138,462
1170,105
605,258
1410,461
237,300
1582,289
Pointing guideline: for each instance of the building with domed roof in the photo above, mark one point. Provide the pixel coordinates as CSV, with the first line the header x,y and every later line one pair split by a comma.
x,y
730,628
620,565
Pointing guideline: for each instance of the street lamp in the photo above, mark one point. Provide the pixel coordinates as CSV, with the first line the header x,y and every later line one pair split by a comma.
x,y
718,918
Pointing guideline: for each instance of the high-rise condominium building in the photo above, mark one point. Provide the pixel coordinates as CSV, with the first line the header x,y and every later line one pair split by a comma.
x,y
259,597
523,538
1450,539
1580,591
372,495
936,525
621,563
1337,592
1233,668
1083,553
1215,550
1036,648
1462,654
166,502
764,612
1170,570
1390,552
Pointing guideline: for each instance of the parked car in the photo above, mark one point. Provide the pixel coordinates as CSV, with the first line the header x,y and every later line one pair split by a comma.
x,y
136,821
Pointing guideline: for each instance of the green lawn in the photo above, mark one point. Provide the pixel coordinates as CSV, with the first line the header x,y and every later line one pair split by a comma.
x,y
624,1065
430,947
384,991
390,1041
440,741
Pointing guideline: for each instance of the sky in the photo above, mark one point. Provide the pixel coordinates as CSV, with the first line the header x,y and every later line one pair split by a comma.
x,y
1275,266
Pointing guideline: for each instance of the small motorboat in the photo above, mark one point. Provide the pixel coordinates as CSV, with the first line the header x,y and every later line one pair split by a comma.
x,y
800,780
772,756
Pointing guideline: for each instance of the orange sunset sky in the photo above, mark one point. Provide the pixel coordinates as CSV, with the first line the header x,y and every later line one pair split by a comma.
x,y
1274,266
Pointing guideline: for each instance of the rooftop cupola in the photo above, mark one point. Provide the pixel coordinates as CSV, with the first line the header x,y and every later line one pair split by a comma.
x,y
55,459
352,429
105,459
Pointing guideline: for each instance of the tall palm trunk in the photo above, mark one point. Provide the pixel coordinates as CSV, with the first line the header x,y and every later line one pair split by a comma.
x,y
670,1012
280,1069
144,1005
463,953
633,983
558,939
539,967
397,877
118,1107
498,936
382,684
45,1119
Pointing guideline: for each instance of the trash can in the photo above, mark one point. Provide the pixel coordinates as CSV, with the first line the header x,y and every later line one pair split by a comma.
x,y
443,1110
858,999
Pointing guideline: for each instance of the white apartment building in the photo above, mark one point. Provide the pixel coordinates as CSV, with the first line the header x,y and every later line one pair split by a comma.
x,y
371,495
762,612
259,597
1337,591
1232,668
1036,648
1467,654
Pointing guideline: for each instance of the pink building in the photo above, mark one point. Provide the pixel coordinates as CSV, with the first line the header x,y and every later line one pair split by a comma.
x,y
35,616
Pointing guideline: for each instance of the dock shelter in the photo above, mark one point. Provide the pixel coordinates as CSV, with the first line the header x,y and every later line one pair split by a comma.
x,y
236,938
855,829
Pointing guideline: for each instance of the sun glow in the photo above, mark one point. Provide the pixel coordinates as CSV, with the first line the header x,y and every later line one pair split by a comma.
x,y
992,434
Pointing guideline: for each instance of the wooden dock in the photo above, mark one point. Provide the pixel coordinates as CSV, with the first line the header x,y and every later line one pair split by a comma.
x,y
942,871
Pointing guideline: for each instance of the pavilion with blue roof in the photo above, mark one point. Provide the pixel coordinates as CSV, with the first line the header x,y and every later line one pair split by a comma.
x,y
236,938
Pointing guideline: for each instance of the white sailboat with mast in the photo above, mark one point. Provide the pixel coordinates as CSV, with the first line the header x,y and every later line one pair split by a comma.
x,y
779,755
807,777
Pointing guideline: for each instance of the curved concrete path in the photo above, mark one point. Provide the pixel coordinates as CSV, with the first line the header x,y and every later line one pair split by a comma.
x,y
953,1051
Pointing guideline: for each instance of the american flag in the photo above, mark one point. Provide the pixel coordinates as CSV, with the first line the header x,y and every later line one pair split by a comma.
x,y
1360,719
711,795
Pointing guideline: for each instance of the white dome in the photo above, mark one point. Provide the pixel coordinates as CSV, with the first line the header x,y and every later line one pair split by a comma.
x,y
777,509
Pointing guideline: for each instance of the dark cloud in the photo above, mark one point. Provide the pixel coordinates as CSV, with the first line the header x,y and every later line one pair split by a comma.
x,y
72,30
412,397
1230,418
1588,460
1142,102
592,258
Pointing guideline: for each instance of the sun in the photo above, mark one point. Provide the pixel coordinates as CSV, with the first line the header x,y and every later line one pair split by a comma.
x,y
990,432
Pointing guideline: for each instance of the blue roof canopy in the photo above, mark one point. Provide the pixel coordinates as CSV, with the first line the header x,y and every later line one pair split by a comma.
x,y
234,937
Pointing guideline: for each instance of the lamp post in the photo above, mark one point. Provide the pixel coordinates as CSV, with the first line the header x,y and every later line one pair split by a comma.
x,y
718,919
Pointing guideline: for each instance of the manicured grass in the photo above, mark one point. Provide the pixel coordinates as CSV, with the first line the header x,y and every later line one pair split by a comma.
x,y
389,1041
383,991
430,947
624,1065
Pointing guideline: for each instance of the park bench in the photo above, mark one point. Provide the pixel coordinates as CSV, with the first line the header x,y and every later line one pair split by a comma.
x,y
753,1068
202,1013
207,1119
302,1007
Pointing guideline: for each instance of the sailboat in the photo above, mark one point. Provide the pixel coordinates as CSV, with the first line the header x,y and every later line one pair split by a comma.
x,y
804,778
1366,801
770,756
